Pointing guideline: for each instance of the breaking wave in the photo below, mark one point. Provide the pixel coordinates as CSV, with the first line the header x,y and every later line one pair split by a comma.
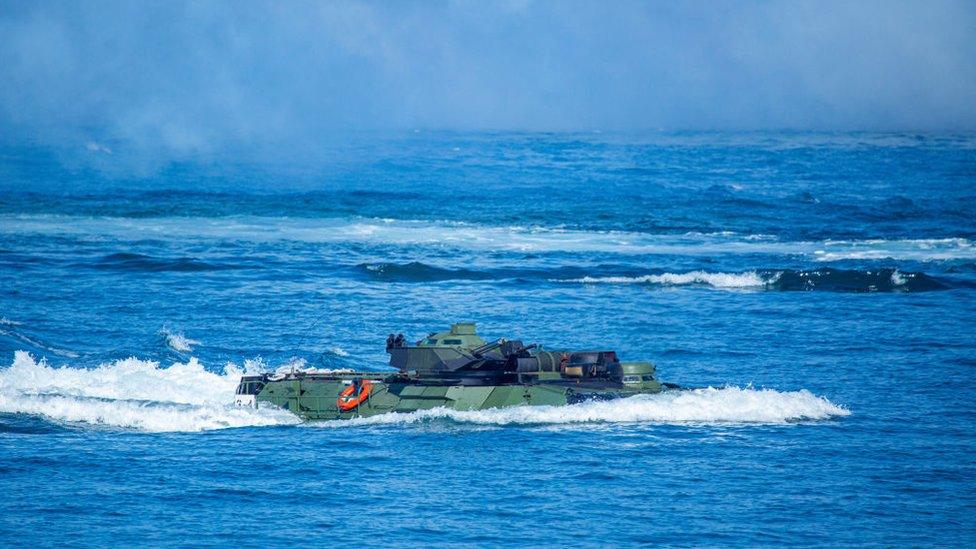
x,y
709,405
179,342
832,280
823,279
717,280
876,280
131,394
338,351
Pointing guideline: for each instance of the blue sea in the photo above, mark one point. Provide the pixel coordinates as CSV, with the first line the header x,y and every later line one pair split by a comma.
x,y
815,292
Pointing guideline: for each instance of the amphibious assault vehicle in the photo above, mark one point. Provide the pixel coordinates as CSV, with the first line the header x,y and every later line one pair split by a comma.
x,y
455,369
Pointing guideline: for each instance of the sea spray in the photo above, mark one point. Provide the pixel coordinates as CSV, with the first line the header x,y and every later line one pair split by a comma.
x,y
131,393
149,416
177,341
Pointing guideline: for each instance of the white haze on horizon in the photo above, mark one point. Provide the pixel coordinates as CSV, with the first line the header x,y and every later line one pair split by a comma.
x,y
178,78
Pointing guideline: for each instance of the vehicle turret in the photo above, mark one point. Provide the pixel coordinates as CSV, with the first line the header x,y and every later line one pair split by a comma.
x,y
439,352
462,335
460,355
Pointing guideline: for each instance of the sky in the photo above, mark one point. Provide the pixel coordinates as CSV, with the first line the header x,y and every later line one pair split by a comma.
x,y
191,76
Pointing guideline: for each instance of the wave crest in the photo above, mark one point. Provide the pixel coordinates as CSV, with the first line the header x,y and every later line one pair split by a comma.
x,y
141,262
416,271
717,280
832,280
822,279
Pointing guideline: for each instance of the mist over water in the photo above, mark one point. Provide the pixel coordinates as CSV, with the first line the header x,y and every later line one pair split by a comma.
x,y
141,84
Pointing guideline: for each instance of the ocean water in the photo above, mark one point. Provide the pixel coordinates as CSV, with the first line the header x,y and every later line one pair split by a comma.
x,y
817,292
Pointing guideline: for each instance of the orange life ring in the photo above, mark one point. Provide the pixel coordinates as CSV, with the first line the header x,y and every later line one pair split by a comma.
x,y
348,401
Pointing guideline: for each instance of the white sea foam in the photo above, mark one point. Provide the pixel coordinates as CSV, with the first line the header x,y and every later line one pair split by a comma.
x,y
338,351
94,146
179,342
929,249
477,237
715,280
294,365
132,394
698,406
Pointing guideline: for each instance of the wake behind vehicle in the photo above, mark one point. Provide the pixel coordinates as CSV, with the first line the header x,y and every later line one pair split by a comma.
x,y
456,369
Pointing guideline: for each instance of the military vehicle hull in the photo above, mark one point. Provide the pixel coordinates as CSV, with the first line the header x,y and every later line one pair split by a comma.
x,y
321,397
457,370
